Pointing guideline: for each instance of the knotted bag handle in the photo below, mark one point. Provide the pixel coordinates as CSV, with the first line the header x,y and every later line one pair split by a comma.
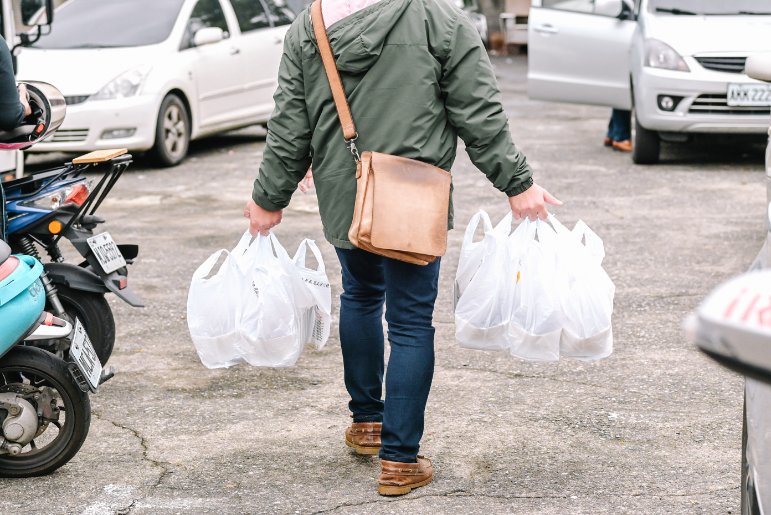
x,y
333,76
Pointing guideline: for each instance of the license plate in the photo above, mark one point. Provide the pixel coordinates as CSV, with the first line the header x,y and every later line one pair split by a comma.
x,y
749,94
106,252
84,356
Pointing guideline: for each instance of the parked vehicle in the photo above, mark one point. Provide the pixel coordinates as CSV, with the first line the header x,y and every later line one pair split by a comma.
x,y
45,207
196,67
45,411
677,64
477,17
36,15
733,327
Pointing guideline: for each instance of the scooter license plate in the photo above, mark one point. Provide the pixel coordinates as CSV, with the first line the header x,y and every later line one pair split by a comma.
x,y
83,354
106,252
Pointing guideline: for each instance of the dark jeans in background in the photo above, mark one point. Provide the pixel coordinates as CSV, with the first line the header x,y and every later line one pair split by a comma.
x,y
620,126
409,292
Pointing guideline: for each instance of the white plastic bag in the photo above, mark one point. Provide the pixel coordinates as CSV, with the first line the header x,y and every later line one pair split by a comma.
x,y
267,319
484,288
314,320
586,293
535,325
212,305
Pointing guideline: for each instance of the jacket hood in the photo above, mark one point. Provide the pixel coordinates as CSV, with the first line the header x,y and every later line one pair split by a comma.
x,y
358,39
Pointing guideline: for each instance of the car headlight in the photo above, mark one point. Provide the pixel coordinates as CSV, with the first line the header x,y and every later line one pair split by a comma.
x,y
124,85
660,55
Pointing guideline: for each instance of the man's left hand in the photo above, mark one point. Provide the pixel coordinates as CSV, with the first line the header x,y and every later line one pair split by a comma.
x,y
261,220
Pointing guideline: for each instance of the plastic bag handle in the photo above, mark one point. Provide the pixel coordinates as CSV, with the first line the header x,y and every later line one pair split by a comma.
x,y
468,237
504,226
592,242
299,257
208,265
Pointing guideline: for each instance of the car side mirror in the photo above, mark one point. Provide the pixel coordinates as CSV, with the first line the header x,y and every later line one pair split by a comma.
x,y
733,325
759,67
37,12
610,8
208,36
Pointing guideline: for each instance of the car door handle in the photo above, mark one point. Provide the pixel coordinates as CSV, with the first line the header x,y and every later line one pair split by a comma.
x,y
546,29
235,51
277,40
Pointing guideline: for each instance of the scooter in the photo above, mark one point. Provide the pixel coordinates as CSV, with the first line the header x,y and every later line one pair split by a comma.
x,y
45,411
733,327
61,203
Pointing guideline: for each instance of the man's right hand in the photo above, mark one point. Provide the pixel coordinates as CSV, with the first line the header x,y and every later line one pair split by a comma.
x,y
24,99
261,220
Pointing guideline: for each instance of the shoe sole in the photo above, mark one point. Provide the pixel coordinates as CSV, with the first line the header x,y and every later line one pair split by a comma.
x,y
363,451
389,490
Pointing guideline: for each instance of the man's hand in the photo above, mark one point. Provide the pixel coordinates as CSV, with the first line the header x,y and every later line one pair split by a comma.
x,y
24,99
531,203
261,220
306,184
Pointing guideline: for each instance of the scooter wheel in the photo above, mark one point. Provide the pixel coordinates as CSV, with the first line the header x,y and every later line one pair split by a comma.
x,y
63,411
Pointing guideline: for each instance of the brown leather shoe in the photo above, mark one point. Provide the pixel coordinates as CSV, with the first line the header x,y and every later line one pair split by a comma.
x,y
607,142
364,437
623,146
398,478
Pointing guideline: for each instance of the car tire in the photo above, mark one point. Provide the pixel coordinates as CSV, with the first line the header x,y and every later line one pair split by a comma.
x,y
646,145
172,132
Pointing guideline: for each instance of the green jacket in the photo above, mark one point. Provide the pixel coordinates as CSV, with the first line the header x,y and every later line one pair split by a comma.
x,y
416,76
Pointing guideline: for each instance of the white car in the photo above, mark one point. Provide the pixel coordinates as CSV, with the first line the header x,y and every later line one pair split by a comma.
x,y
678,64
152,75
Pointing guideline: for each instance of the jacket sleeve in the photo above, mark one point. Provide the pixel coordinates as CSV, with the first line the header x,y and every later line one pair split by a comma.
x,y
11,110
287,151
473,102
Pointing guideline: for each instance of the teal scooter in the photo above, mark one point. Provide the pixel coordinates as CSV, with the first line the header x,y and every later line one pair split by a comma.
x,y
45,412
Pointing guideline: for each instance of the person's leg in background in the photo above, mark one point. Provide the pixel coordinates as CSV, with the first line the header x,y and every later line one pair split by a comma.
x,y
411,292
619,134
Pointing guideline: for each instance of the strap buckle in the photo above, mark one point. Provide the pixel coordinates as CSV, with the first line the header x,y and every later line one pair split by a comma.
x,y
351,144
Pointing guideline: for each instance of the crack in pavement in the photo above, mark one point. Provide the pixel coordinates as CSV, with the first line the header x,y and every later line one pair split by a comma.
x,y
164,466
465,493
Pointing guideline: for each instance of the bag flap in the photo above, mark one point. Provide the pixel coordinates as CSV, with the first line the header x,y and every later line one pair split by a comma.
x,y
411,201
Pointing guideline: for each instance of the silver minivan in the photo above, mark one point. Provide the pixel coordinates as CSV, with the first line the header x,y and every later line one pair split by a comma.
x,y
677,64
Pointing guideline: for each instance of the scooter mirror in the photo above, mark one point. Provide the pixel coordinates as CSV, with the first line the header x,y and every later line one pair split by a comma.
x,y
733,325
48,111
37,12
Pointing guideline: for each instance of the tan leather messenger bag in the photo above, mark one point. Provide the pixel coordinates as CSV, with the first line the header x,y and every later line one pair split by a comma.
x,y
401,204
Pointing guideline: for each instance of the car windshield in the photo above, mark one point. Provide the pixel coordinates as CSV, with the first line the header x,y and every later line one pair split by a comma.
x,y
710,7
111,23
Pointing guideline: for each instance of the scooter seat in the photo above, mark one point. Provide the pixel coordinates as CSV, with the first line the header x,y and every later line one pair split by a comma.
x,y
5,252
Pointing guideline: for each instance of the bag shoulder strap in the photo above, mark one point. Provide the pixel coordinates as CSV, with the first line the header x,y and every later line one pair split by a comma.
x,y
333,76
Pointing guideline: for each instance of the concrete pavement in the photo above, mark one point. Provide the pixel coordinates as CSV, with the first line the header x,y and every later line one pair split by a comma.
x,y
656,428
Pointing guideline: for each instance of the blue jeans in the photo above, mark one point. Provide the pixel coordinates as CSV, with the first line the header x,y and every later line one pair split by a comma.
x,y
408,292
620,126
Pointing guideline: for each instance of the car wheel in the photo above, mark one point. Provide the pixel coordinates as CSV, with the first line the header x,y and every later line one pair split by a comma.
x,y
749,498
172,133
646,145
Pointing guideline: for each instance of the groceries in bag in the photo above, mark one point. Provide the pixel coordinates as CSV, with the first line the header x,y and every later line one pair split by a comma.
x,y
212,305
538,292
267,322
535,325
483,302
315,319
586,295
254,303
